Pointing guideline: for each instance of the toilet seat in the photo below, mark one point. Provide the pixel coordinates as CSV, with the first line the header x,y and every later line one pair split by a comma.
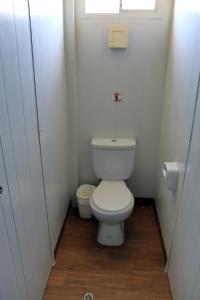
x,y
112,197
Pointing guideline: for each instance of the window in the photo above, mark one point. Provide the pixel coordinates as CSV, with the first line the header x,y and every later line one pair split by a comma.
x,y
117,6
138,4
102,6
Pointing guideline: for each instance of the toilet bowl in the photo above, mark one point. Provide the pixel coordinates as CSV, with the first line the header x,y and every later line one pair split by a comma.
x,y
111,203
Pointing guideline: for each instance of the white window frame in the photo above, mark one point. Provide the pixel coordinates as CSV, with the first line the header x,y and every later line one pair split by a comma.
x,y
121,10
124,14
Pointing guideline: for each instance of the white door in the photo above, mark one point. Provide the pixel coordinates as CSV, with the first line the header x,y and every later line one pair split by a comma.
x,y
19,132
185,258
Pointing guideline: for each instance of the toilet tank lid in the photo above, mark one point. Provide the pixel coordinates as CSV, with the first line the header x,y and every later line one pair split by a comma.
x,y
113,143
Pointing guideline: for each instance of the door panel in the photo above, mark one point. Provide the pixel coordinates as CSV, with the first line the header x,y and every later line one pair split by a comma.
x,y
178,108
19,131
185,259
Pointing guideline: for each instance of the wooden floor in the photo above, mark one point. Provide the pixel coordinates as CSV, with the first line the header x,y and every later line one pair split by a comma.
x,y
132,271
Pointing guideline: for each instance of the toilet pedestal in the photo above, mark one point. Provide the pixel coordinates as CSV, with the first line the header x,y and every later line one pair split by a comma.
x,y
111,234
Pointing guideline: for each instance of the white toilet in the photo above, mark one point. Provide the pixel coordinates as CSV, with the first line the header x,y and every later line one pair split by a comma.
x,y
112,202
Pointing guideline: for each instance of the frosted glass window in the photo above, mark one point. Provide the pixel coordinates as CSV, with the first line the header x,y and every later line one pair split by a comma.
x,y
102,6
138,4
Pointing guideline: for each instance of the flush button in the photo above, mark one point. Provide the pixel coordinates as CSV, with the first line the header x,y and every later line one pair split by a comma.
x,y
114,140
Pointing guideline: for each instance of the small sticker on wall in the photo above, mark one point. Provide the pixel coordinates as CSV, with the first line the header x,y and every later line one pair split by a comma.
x,y
117,97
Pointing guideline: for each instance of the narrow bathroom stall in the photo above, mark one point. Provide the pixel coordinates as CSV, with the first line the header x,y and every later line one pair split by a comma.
x,y
58,75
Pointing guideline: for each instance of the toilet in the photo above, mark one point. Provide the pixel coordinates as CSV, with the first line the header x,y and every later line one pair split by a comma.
x,y
112,202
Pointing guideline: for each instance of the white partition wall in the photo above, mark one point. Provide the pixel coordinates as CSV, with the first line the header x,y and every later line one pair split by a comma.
x,y
49,63
185,258
178,109
179,211
71,67
20,144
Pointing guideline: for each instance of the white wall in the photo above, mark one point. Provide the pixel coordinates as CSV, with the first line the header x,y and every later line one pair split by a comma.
x,y
20,147
180,96
138,73
70,38
184,261
47,27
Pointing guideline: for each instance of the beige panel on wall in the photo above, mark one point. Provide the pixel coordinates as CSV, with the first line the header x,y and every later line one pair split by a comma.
x,y
117,36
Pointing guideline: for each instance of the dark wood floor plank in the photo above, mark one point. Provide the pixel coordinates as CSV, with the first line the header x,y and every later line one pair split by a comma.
x,y
130,272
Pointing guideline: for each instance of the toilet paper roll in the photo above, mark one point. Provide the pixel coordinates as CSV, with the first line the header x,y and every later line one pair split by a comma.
x,y
170,174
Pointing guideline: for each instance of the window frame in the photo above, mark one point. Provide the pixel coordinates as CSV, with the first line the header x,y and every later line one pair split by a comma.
x,y
121,10
124,14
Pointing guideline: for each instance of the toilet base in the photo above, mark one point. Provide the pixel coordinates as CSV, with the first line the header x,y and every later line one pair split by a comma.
x,y
111,234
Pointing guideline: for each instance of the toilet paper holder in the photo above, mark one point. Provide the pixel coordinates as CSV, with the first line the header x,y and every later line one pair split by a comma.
x,y
170,173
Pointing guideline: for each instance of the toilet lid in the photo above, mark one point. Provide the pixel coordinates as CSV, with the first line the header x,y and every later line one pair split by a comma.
x,y
112,196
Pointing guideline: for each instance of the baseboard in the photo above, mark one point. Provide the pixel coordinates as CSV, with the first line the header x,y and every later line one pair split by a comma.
x,y
62,230
144,201
160,232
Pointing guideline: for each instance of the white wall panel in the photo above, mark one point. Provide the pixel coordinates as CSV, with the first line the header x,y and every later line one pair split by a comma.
x,y
12,284
6,206
71,64
49,62
178,110
18,125
185,259
138,73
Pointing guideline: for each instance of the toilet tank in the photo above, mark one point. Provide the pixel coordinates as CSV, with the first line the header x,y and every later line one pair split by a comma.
x,y
113,158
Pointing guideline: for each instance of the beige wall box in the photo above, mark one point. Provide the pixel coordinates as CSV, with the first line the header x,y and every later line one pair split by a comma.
x,y
118,36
